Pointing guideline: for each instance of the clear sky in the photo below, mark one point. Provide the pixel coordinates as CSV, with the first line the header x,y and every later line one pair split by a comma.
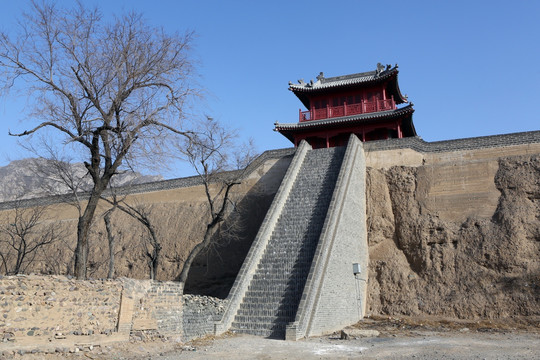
x,y
470,67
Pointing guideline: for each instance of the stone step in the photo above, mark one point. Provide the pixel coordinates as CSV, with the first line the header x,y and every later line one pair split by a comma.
x,y
270,297
274,332
262,319
271,312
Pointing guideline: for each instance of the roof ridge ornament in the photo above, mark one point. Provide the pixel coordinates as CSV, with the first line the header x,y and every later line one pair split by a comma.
x,y
380,69
321,77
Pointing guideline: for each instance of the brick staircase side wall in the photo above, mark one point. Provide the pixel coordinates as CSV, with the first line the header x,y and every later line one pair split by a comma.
x,y
334,297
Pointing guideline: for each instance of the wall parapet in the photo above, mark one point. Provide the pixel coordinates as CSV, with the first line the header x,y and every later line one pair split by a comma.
x,y
150,186
480,142
415,143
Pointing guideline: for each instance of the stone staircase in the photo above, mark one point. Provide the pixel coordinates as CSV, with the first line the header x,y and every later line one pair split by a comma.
x,y
274,293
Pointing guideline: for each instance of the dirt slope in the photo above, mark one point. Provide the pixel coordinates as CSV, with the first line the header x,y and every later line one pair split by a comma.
x,y
420,264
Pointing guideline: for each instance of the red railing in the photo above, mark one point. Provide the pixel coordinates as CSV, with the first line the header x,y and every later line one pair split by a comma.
x,y
345,110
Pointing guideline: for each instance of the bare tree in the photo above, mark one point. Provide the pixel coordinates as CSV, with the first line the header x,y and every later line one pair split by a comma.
x,y
110,92
22,235
219,162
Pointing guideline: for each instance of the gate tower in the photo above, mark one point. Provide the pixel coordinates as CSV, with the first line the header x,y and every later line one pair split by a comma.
x,y
365,104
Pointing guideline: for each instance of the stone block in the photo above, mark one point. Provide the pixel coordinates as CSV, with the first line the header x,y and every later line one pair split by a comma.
x,y
347,334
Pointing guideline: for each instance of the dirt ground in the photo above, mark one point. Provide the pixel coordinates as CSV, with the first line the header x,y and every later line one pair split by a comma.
x,y
399,338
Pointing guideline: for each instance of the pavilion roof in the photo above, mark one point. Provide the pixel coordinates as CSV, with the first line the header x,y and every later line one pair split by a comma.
x,y
345,80
303,90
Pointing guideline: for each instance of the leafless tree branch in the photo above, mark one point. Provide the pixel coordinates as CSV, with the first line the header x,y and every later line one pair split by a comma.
x,y
110,88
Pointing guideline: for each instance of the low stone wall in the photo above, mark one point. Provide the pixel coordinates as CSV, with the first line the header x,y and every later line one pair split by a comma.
x,y
53,307
37,305
199,315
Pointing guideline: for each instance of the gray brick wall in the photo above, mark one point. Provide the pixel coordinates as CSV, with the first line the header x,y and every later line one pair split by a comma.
x,y
275,291
151,305
199,315
342,297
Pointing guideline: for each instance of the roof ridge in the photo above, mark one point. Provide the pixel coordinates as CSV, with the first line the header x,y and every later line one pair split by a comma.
x,y
382,72
350,76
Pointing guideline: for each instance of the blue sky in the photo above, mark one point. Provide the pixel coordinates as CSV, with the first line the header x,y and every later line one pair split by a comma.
x,y
470,67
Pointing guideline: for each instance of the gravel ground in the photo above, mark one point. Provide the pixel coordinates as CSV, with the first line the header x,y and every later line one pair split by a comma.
x,y
421,346
399,338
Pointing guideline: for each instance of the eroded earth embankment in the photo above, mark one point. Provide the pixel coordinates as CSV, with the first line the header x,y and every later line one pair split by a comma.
x,y
421,263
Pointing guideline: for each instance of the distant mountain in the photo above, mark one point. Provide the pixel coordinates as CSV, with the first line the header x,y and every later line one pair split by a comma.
x,y
29,178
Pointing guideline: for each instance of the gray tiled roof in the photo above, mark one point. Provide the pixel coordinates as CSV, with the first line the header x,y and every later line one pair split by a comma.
x,y
345,119
346,80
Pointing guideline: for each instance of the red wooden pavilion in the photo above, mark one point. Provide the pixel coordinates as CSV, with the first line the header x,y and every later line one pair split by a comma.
x,y
365,104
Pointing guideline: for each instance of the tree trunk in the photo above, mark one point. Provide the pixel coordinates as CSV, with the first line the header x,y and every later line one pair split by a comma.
x,y
155,263
154,255
83,231
196,250
111,238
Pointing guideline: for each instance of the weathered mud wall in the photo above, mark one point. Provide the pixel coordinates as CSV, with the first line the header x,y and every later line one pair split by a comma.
x,y
179,215
453,229
425,261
